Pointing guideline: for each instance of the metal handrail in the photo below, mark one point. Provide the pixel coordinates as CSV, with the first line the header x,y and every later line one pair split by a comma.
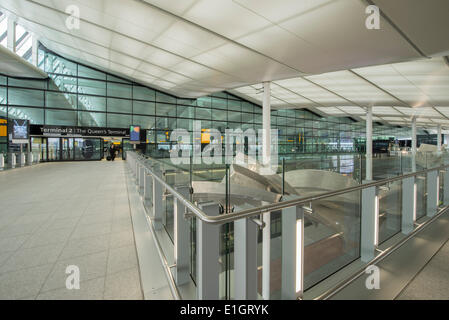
x,y
333,291
230,217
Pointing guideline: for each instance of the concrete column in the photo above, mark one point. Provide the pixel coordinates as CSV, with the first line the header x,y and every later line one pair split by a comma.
x,y
11,34
439,138
266,123
2,161
369,144
414,144
181,238
207,254
34,55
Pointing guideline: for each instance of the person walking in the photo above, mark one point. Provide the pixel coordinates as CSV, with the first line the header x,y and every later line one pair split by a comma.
x,y
112,151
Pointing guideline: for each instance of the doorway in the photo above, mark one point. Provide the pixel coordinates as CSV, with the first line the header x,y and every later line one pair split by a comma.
x,y
68,149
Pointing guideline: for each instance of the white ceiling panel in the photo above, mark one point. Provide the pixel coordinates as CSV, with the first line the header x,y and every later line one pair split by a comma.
x,y
352,88
241,42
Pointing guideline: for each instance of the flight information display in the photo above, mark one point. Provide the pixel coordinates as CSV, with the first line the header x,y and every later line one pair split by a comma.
x,y
134,133
20,129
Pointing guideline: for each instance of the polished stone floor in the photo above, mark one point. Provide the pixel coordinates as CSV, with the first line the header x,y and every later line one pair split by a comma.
x,y
432,282
55,215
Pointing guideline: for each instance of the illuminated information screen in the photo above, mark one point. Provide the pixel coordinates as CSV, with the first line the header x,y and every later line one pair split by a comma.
x,y
134,133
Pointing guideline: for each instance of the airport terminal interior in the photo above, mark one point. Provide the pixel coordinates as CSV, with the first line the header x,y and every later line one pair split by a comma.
x,y
224,150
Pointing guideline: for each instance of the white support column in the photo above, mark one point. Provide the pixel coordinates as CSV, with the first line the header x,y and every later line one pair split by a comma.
x,y
266,256
11,34
207,254
181,232
369,144
292,253
35,47
433,188
370,223
245,259
414,143
408,204
439,138
266,123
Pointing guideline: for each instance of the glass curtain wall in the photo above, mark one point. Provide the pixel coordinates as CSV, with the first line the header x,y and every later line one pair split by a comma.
x,y
76,95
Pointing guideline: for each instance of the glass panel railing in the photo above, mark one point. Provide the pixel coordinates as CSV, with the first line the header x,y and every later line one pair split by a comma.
x,y
390,210
333,230
421,198
331,225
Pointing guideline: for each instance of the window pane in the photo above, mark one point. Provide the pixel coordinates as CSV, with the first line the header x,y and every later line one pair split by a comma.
x,y
161,97
186,112
92,87
219,103
143,93
91,103
91,119
204,102
186,124
90,73
115,79
165,110
187,102
219,115
35,115
247,117
62,83
2,95
37,84
60,100
219,94
60,117
140,107
234,105
119,105
119,121
119,90
144,121
26,97
234,116
202,113
247,107
54,64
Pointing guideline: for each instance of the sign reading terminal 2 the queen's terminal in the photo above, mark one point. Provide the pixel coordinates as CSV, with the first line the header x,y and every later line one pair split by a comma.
x,y
56,131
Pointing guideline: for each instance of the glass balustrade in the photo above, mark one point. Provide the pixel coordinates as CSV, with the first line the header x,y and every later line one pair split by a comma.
x,y
281,253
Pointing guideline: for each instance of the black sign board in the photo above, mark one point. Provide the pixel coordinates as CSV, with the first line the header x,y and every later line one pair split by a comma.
x,y
57,131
